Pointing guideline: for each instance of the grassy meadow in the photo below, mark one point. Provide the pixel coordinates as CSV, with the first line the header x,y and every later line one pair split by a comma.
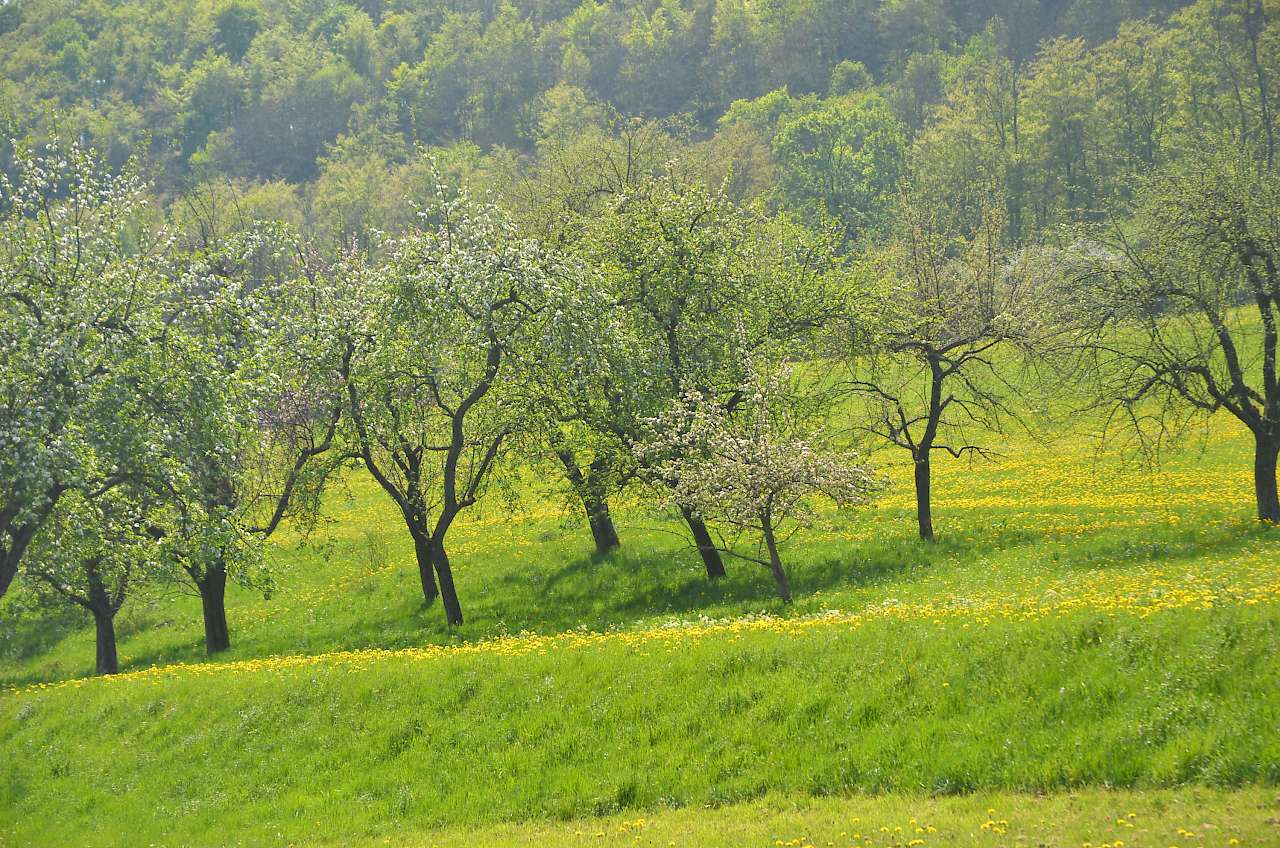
x,y
1088,639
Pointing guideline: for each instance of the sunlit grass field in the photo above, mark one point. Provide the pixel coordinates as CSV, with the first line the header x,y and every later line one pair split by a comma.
x,y
1042,516
1098,818
1084,622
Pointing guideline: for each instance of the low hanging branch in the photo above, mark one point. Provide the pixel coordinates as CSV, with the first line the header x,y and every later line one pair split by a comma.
x,y
1176,316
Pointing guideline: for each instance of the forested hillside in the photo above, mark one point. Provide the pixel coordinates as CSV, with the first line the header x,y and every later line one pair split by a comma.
x,y
820,105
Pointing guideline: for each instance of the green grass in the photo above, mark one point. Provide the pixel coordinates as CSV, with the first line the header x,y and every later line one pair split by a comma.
x,y
371,745
1090,817
1081,624
1034,516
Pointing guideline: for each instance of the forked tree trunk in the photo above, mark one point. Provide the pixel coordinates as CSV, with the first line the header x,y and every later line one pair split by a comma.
x,y
213,600
448,592
775,561
426,567
706,545
924,506
1264,478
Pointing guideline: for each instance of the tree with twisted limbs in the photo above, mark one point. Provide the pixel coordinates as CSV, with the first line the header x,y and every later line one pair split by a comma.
x,y
1175,315
755,470
432,376
930,332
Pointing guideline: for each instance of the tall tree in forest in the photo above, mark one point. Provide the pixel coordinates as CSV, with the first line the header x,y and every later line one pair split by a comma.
x,y
977,134
842,161
1229,64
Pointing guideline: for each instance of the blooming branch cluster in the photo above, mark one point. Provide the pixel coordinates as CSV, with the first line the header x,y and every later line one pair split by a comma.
x,y
754,464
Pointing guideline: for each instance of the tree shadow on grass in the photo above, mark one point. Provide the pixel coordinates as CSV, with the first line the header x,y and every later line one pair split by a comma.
x,y
585,590
1121,551
643,580
27,636
601,592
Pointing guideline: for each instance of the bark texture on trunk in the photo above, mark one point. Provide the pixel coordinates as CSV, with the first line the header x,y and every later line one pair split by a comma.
x,y
706,546
213,600
775,563
1264,478
924,506
591,491
426,567
107,660
599,518
104,620
448,592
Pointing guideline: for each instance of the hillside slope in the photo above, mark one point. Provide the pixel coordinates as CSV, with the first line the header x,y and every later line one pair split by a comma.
x,y
1082,624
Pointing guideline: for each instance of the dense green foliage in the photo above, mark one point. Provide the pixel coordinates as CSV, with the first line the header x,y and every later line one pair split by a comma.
x,y
1062,100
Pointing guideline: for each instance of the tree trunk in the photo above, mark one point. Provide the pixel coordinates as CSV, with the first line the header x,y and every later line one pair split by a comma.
x,y
107,661
8,570
591,492
213,598
426,567
104,614
924,508
448,592
775,562
706,546
1264,478
20,536
602,529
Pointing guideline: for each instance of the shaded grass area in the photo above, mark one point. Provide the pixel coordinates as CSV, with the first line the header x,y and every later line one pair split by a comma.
x,y
1186,817
363,748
